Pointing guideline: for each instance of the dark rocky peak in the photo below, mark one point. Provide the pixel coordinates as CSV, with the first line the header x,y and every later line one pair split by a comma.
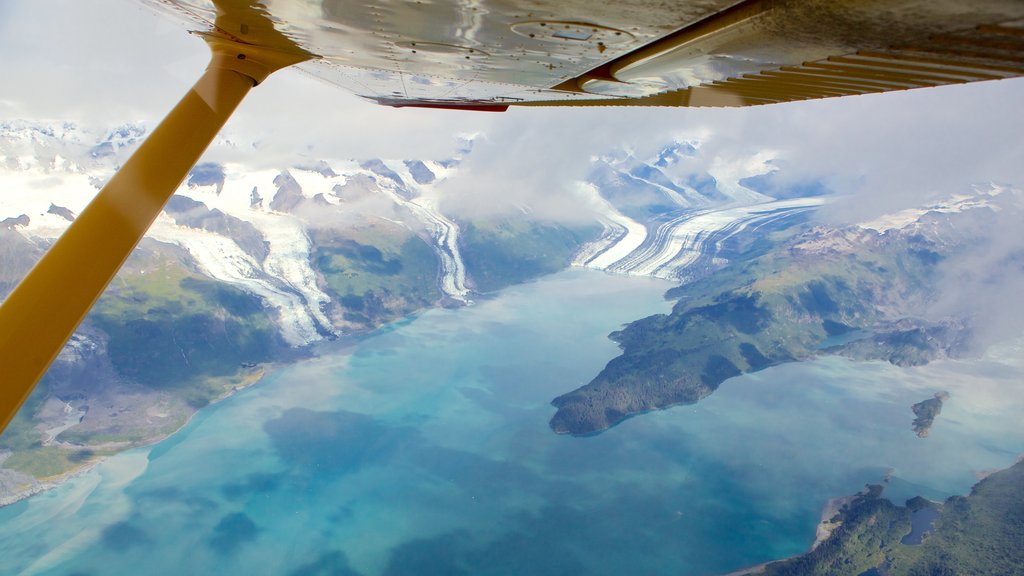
x,y
356,187
10,223
207,174
671,153
194,214
420,173
706,185
289,193
102,150
321,167
386,174
379,168
62,212
184,207
255,200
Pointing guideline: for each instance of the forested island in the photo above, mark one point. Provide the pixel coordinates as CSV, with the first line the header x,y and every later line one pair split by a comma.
x,y
926,411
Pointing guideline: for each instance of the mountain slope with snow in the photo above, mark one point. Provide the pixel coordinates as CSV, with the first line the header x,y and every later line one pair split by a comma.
x,y
49,172
671,216
248,266
656,223
905,288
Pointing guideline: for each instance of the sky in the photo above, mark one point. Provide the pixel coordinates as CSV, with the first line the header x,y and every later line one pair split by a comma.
x,y
111,61
107,62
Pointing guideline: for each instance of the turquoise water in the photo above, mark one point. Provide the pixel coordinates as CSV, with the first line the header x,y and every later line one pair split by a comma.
x,y
425,450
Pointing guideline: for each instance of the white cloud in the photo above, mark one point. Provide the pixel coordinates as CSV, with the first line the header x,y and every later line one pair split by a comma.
x,y
984,277
103,61
112,61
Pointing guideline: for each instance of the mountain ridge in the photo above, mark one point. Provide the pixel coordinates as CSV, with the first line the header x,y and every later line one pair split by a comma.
x,y
783,303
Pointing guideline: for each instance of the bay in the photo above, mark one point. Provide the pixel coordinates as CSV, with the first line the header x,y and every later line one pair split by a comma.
x,y
424,449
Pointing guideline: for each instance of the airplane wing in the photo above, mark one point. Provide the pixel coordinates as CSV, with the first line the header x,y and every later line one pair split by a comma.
x,y
489,54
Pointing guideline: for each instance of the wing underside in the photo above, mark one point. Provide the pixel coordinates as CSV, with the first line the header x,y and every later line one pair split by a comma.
x,y
493,53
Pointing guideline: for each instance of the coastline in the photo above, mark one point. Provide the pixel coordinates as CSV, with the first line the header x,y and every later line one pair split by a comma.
x,y
39,485
822,532
20,486
828,512
835,505
34,486
46,484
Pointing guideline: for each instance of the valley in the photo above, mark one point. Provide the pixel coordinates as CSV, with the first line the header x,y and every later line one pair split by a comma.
x,y
252,272
244,270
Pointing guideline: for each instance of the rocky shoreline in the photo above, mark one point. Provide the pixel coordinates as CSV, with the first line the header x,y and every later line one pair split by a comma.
x,y
822,533
16,486
29,486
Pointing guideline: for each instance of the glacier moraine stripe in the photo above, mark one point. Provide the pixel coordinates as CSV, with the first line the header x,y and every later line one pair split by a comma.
x,y
680,244
445,234
608,250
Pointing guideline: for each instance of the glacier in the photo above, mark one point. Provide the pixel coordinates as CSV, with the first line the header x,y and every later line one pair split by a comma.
x,y
621,236
48,169
679,243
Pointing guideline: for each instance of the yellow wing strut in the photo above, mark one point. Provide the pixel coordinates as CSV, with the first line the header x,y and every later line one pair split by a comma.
x,y
48,305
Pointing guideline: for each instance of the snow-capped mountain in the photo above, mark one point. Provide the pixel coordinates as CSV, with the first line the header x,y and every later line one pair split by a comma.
x,y
992,197
669,216
248,228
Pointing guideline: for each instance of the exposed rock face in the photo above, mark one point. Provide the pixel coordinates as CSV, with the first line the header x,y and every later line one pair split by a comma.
x,y
188,212
10,223
357,187
381,170
321,167
420,173
207,174
289,193
62,212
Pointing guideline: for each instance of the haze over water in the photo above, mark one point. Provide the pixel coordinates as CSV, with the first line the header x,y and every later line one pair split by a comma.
x,y
425,450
